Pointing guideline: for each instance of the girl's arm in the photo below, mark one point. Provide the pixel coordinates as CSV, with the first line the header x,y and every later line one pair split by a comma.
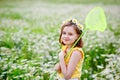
x,y
57,67
70,68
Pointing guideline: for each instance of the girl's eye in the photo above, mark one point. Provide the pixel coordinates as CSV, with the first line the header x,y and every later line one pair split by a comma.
x,y
70,34
63,32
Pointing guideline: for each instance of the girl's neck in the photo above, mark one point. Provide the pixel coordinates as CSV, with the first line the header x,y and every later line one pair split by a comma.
x,y
69,46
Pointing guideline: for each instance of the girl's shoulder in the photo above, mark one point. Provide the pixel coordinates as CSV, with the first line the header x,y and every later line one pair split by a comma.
x,y
78,49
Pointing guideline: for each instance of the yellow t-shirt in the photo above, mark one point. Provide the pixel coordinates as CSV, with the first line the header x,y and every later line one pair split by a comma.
x,y
77,72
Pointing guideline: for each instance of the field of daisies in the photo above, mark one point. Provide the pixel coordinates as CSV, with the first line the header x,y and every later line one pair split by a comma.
x,y
29,39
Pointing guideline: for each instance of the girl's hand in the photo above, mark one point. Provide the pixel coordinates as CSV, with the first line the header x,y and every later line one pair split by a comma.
x,y
57,67
62,54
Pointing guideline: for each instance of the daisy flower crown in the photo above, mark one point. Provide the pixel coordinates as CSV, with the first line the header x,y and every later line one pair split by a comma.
x,y
75,22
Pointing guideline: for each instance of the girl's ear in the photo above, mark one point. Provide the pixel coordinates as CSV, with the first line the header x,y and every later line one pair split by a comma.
x,y
78,36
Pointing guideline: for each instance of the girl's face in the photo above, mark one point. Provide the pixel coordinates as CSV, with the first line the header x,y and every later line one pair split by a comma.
x,y
69,35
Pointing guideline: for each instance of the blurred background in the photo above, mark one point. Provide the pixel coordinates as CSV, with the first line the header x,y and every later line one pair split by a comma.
x,y
29,35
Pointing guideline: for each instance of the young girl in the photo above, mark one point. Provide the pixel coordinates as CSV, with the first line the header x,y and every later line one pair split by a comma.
x,y
70,68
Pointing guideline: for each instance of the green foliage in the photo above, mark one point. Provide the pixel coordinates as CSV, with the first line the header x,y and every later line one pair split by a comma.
x,y
11,15
85,1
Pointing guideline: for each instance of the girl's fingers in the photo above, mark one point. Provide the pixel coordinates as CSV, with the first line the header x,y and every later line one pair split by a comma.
x,y
57,67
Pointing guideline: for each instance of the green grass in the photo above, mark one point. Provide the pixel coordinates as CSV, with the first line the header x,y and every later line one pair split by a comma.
x,y
85,1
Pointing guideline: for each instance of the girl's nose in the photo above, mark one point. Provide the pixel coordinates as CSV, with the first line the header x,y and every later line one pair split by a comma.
x,y
66,36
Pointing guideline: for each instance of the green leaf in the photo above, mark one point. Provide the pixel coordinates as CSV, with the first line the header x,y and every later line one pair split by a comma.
x,y
52,76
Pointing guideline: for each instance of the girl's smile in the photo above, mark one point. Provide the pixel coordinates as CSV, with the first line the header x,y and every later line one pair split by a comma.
x,y
66,39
